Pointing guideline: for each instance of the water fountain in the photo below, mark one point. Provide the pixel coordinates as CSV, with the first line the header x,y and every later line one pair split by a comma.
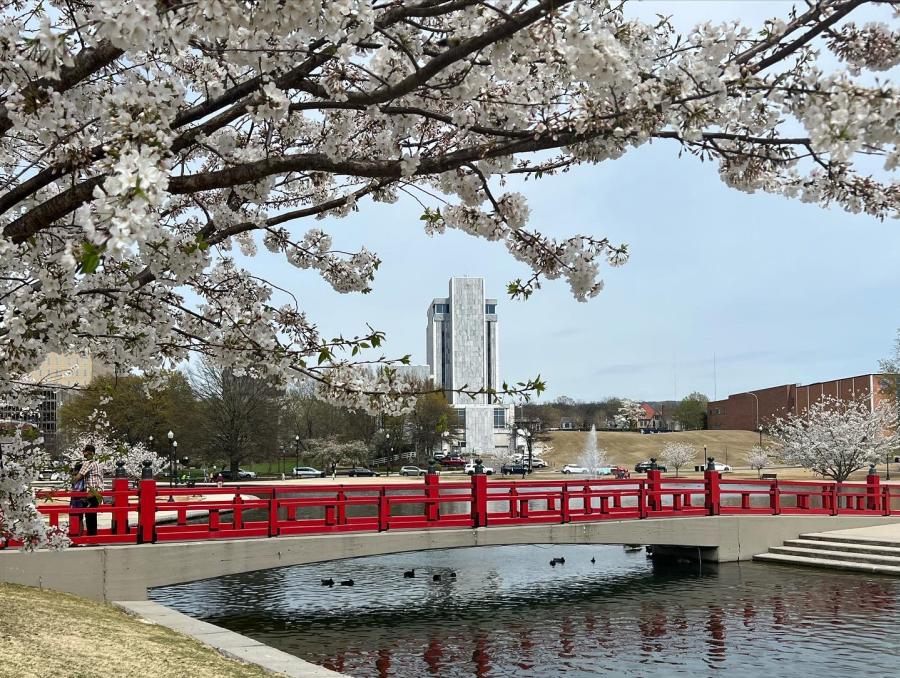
x,y
592,457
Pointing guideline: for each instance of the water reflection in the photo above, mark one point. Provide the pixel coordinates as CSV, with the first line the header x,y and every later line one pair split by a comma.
x,y
509,613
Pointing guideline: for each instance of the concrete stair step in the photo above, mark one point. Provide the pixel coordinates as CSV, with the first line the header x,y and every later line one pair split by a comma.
x,y
843,539
827,563
842,546
893,561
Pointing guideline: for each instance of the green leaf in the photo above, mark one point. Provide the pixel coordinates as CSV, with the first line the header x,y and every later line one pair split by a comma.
x,y
90,257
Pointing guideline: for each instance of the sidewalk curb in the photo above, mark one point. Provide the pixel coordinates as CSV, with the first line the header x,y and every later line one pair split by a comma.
x,y
229,643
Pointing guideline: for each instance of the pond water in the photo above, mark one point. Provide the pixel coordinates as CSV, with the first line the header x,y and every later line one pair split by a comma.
x,y
509,613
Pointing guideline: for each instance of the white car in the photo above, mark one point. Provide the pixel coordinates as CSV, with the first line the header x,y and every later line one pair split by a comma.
x,y
721,468
307,472
470,469
574,468
49,474
539,463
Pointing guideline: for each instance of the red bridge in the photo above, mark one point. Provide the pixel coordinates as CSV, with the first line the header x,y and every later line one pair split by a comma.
x,y
157,536
279,510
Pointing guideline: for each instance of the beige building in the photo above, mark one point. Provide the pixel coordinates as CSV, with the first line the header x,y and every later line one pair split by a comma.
x,y
67,370
57,377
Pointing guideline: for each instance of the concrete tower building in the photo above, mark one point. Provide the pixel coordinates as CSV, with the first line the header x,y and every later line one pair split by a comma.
x,y
462,348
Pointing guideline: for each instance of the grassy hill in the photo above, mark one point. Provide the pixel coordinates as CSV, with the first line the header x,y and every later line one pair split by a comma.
x,y
627,448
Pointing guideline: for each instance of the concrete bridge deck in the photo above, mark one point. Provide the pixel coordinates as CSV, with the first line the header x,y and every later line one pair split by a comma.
x,y
125,572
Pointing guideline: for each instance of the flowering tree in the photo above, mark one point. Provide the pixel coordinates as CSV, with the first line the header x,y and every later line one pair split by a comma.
x,y
757,458
21,457
835,438
143,143
629,414
678,454
110,451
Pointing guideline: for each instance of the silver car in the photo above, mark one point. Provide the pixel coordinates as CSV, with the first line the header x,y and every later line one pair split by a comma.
x,y
307,472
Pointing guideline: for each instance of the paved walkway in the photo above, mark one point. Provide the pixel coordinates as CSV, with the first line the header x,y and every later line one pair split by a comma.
x,y
885,533
227,642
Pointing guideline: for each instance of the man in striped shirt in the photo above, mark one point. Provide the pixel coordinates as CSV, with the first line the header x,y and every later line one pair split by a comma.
x,y
93,481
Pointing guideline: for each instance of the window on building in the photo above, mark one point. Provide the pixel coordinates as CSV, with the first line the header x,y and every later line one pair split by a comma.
x,y
490,308
442,308
461,417
499,417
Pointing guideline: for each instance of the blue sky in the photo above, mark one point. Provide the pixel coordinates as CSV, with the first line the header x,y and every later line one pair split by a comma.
x,y
779,291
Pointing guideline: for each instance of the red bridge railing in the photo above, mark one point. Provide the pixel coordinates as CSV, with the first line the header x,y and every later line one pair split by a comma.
x,y
157,513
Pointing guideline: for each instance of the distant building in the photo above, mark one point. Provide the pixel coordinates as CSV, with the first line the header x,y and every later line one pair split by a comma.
x,y
759,408
462,348
56,378
568,424
651,420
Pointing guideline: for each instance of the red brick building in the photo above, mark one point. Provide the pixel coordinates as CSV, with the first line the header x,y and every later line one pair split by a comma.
x,y
749,410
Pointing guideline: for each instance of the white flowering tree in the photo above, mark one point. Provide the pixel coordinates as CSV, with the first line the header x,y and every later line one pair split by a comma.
x,y
758,459
835,438
21,458
677,454
109,451
629,415
149,147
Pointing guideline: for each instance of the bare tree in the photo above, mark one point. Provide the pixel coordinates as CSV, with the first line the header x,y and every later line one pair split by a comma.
x,y
241,414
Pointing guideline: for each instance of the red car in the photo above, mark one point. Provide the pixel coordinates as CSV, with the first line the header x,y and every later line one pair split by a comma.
x,y
453,462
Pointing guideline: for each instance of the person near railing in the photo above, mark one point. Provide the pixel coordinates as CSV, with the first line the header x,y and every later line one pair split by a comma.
x,y
92,475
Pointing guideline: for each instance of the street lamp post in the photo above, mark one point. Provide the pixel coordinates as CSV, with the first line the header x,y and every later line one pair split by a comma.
x,y
173,446
759,428
757,413
297,448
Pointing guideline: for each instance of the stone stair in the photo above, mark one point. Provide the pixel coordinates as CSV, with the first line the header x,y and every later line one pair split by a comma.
x,y
840,552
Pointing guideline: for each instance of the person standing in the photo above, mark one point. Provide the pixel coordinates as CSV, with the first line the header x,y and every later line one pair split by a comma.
x,y
92,475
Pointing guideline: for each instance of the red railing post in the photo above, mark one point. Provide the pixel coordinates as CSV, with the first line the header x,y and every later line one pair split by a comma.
x,y
775,498
120,506
886,500
642,499
238,515
384,510
432,492
713,492
654,498
479,500
513,507
835,498
341,507
273,515
564,508
588,499
873,483
147,511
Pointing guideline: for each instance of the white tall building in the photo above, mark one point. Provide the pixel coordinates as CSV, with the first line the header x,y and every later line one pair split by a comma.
x,y
462,349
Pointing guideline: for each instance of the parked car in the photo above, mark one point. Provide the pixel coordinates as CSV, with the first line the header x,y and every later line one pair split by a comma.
x,y
644,466
453,462
242,474
470,469
412,471
514,468
49,474
361,472
439,455
720,467
574,468
307,472
539,463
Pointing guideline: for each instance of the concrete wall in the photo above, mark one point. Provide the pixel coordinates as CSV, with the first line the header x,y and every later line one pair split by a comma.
x,y
125,572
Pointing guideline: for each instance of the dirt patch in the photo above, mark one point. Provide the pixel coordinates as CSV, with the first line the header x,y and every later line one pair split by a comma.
x,y
45,633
